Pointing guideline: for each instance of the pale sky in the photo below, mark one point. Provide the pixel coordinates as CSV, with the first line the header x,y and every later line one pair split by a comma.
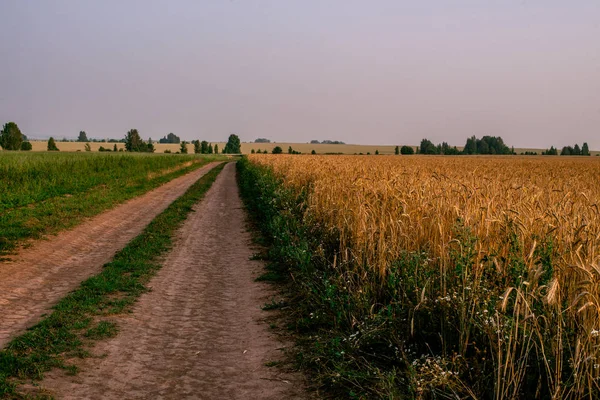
x,y
368,71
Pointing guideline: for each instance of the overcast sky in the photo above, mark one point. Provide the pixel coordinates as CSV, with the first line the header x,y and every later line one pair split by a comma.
x,y
361,71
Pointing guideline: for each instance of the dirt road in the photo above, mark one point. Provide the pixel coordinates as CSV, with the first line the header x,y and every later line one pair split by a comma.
x,y
198,333
42,274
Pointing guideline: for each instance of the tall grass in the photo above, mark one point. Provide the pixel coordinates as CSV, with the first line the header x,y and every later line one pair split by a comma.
x,y
477,277
44,192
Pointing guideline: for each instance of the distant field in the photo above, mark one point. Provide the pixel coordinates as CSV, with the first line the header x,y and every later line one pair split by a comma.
x,y
45,192
247,147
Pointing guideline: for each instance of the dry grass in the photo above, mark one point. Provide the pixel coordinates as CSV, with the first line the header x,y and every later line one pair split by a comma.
x,y
512,247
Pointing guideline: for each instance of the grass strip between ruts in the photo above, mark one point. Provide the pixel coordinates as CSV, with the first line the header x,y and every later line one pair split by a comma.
x,y
81,317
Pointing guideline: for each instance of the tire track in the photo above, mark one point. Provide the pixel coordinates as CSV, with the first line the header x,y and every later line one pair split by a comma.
x,y
198,333
40,275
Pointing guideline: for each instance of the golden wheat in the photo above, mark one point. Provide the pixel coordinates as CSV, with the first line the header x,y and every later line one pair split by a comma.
x,y
384,206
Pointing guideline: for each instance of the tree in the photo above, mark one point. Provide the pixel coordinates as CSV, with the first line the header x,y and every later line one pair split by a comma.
x,y
134,143
290,150
82,137
233,145
216,148
576,150
376,152
397,150
183,147
262,140
170,138
585,150
11,137
197,148
277,150
550,152
204,147
313,152
210,148
52,145
471,146
407,150
427,147
87,147
252,151
26,146
566,151
115,148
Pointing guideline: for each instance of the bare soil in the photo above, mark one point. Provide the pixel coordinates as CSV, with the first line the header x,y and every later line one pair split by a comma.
x,y
200,332
43,273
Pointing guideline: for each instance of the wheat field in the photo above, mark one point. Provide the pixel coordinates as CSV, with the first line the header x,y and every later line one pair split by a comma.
x,y
511,257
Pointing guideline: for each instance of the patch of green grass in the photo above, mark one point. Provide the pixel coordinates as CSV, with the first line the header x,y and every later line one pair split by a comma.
x,y
43,193
104,329
66,331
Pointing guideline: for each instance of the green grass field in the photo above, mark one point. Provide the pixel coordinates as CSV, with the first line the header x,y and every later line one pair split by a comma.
x,y
42,193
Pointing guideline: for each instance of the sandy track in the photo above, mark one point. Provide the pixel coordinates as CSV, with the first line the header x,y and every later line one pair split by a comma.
x,y
38,276
198,333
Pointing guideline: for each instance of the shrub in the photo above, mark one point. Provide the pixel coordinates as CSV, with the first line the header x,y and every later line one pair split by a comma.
x,y
52,145
11,137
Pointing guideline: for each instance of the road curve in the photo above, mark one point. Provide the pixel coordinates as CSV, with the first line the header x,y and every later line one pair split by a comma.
x,y
40,275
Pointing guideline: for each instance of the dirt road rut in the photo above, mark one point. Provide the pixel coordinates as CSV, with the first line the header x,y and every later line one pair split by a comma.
x,y
198,333
42,274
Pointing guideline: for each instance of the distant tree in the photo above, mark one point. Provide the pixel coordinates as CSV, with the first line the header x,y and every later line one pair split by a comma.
x,y
427,147
566,151
197,148
376,152
576,150
11,137
52,145
262,140
210,148
290,150
314,142
397,150
134,143
82,137
252,151
115,148
313,152
167,151
183,147
277,150
585,150
204,147
216,148
26,146
407,150
233,145
170,138
151,148
88,147
471,146
550,152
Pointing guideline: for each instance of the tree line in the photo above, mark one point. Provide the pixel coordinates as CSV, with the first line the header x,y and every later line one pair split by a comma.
x,y
11,138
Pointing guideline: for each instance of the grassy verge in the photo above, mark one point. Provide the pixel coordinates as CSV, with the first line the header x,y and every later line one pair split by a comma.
x,y
347,347
43,193
80,318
